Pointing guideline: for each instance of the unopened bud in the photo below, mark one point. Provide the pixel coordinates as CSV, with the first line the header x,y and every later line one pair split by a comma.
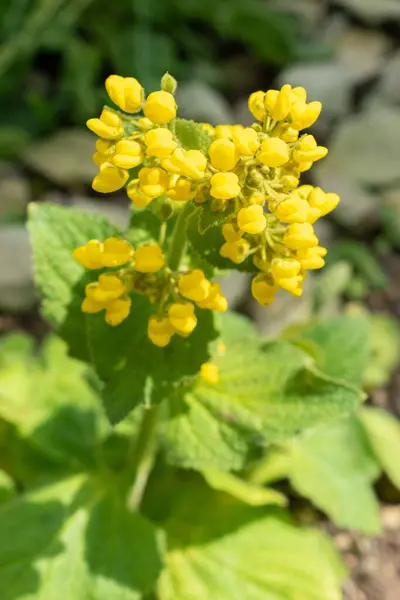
x,y
169,83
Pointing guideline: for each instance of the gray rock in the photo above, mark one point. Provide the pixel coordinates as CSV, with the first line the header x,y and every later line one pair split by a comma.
x,y
65,158
116,213
235,287
390,84
199,101
14,190
373,11
16,278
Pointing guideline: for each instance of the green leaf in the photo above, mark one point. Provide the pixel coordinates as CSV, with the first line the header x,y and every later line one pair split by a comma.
x,y
333,466
194,438
221,549
273,390
383,431
341,346
50,402
131,368
55,232
7,487
192,136
205,236
384,351
248,493
75,540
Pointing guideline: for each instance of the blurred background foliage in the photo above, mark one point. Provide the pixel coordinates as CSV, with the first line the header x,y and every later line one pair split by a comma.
x,y
54,57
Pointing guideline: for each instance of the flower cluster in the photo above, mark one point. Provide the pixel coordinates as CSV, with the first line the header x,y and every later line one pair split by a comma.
x,y
249,175
144,271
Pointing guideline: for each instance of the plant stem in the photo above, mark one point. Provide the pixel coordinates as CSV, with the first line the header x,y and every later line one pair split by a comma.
x,y
144,457
178,239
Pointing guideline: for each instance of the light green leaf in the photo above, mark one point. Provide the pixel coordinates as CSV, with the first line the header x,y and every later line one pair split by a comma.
x,y
75,540
341,346
383,431
50,401
7,487
113,351
384,351
194,438
192,136
221,549
248,493
333,466
273,390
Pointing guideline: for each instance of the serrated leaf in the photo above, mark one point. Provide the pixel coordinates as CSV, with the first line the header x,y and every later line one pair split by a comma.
x,y
131,368
50,402
221,549
193,438
273,390
341,346
246,492
70,540
205,236
383,431
333,466
208,218
192,135
55,231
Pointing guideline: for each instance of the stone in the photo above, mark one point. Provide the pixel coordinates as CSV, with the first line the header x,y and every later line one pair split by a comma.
x,y
198,101
390,83
235,287
65,158
17,291
373,12
116,212
14,190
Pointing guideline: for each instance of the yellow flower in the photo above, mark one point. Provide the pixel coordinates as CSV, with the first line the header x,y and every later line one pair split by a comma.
x,y
109,126
208,128
110,178
116,252
149,258
308,151
223,131
237,252
139,199
209,372
282,268
312,258
215,300
128,154
225,186
321,203
189,163
109,287
286,133
160,107
223,154
194,285
117,311
144,123
293,285
304,115
89,255
160,330
278,104
274,152
261,263
182,317
251,219
181,191
104,151
245,140
257,198
125,92
231,233
263,290
299,236
153,181
92,307
299,94
293,210
256,105
160,142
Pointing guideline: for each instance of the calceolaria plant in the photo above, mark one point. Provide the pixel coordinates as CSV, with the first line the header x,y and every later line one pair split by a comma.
x,y
148,436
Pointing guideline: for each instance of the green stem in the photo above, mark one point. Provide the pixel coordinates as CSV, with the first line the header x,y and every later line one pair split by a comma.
x,y
144,457
178,239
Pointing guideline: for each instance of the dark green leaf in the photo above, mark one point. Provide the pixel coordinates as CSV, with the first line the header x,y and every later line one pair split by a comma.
x,y
192,136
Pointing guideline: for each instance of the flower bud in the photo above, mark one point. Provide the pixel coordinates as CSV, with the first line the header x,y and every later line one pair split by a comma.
x,y
149,258
160,107
209,372
168,83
